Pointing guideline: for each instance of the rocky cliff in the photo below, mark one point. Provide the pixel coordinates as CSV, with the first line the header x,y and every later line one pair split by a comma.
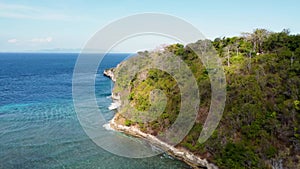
x,y
177,152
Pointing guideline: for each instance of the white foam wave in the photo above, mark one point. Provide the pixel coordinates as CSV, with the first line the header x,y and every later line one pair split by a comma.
x,y
107,126
114,105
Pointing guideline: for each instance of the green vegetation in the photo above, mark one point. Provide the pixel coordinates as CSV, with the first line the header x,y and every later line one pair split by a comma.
x,y
260,126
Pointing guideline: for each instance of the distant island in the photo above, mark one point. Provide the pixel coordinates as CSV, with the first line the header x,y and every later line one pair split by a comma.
x,y
260,127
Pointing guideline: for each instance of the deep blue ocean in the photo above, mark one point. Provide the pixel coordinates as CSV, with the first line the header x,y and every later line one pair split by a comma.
x,y
38,125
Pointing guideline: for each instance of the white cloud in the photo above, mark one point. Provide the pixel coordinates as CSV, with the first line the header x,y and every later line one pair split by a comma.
x,y
34,40
41,40
30,12
12,41
14,7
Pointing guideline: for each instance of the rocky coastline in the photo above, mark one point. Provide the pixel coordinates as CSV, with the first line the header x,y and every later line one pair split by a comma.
x,y
177,152
110,73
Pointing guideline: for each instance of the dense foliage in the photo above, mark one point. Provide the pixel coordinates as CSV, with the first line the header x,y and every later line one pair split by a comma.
x,y
260,126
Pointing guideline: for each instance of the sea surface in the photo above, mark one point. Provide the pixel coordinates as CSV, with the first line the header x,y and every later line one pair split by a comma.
x,y
38,124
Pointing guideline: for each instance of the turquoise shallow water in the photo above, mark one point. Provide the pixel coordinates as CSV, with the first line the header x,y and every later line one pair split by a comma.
x,y
38,125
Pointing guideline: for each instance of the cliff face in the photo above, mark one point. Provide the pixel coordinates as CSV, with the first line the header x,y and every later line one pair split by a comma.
x,y
177,152
110,73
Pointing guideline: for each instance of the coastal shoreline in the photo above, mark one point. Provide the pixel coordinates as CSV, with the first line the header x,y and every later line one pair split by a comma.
x,y
179,153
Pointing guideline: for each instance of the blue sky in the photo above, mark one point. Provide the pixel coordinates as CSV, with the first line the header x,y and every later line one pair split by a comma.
x,y
56,25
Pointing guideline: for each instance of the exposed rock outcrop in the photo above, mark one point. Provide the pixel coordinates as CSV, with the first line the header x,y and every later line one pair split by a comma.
x,y
110,73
